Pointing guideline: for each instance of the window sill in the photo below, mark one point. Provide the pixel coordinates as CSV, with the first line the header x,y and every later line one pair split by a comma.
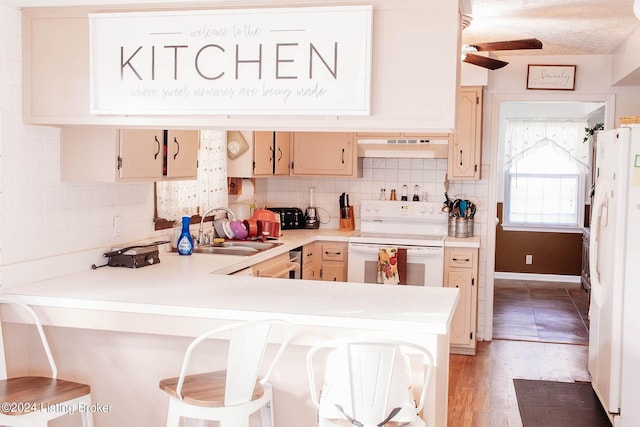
x,y
542,228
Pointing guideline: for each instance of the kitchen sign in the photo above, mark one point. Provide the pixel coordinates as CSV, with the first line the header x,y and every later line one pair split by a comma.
x,y
299,61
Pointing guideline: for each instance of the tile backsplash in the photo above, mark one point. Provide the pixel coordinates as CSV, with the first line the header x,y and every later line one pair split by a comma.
x,y
389,173
41,216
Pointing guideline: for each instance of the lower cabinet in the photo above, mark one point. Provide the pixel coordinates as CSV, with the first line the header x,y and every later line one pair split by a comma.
x,y
333,267
325,261
310,270
461,271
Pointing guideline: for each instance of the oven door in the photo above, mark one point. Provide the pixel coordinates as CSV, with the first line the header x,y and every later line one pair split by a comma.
x,y
425,264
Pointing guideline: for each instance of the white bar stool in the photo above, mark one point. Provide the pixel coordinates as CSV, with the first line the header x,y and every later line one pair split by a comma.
x,y
33,401
369,383
232,395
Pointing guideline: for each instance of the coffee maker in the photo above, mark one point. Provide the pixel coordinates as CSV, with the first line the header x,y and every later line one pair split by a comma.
x,y
311,219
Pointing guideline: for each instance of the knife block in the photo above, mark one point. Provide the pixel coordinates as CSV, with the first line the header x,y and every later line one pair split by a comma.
x,y
348,224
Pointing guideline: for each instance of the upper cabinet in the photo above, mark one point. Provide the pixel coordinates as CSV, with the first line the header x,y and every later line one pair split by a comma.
x,y
407,91
110,155
296,154
324,153
271,153
465,146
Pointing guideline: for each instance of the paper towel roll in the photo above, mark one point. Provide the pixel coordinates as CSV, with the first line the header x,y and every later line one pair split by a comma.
x,y
248,191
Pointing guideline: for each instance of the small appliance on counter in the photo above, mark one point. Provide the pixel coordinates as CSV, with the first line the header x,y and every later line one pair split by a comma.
x,y
134,256
311,219
290,218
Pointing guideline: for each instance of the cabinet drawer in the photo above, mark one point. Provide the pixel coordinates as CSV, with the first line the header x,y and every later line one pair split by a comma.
x,y
460,258
333,251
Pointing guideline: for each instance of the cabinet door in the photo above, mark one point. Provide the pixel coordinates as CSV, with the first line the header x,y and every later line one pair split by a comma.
x,y
334,261
333,272
310,262
323,154
182,153
461,331
141,153
466,144
263,153
281,153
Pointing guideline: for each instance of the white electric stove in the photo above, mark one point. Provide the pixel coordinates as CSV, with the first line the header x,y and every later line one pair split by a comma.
x,y
418,227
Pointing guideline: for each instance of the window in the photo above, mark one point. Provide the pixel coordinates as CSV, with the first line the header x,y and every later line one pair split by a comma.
x,y
177,198
545,172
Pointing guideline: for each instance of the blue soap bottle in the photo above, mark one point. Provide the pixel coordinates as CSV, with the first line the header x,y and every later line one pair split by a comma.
x,y
185,241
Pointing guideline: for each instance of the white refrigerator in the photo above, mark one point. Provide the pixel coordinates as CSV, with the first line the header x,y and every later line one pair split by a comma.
x,y
614,312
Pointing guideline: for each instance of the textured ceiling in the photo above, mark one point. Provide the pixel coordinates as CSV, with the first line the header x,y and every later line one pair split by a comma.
x,y
565,27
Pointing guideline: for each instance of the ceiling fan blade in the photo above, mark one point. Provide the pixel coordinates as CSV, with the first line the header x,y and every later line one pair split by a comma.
x,y
483,61
510,45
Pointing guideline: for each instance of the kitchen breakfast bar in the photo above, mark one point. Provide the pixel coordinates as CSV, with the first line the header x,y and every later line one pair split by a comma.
x,y
122,330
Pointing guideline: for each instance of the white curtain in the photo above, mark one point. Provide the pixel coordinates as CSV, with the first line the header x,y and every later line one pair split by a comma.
x,y
186,198
524,138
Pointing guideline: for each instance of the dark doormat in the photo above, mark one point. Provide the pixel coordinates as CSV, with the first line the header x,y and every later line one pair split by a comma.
x,y
559,404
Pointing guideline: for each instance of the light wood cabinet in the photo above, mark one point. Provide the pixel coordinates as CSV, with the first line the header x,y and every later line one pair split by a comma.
x,y
333,267
324,154
310,270
271,153
111,155
461,271
465,146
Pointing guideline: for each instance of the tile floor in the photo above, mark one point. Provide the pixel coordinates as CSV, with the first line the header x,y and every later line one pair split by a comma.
x,y
541,311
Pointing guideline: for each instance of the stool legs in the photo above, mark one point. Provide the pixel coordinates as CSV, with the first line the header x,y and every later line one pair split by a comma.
x,y
266,414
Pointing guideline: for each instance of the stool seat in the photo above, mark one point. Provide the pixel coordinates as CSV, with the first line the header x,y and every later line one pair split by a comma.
x,y
232,395
207,389
32,401
40,393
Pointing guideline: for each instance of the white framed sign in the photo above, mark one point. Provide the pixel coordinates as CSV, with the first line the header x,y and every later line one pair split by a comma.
x,y
551,77
300,61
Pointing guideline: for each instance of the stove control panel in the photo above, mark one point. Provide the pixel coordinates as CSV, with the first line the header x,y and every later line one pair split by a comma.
x,y
378,210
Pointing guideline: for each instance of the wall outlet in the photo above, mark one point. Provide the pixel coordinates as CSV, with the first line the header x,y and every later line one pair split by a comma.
x,y
528,259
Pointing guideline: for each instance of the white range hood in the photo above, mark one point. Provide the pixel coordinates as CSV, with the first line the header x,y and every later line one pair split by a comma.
x,y
407,148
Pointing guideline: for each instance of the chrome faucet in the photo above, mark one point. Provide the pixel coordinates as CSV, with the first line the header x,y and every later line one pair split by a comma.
x,y
230,215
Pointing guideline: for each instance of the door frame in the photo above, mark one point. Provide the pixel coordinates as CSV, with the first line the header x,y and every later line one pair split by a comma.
x,y
492,134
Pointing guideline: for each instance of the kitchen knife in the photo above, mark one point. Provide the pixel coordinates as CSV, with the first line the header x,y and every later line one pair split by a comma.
x,y
347,207
342,205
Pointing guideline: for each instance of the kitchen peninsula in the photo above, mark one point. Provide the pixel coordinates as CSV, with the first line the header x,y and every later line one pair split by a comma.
x,y
122,330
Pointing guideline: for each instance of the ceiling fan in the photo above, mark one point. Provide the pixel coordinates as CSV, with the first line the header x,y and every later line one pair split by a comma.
x,y
469,50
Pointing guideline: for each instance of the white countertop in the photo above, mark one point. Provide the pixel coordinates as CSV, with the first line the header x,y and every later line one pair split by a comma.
x,y
186,286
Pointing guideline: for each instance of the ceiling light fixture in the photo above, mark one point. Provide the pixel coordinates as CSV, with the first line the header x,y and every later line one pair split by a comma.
x,y
636,8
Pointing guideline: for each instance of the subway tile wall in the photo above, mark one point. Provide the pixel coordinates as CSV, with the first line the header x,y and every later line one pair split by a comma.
x,y
41,216
390,173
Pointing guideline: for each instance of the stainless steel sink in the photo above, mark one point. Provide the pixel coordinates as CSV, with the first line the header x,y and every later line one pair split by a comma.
x,y
240,248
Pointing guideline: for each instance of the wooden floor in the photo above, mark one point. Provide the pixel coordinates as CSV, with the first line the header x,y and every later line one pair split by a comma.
x,y
481,391
541,311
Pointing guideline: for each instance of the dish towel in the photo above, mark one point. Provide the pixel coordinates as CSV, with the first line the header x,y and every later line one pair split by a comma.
x,y
388,266
402,265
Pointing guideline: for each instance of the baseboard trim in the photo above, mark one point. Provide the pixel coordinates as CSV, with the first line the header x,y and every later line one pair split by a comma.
x,y
537,277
